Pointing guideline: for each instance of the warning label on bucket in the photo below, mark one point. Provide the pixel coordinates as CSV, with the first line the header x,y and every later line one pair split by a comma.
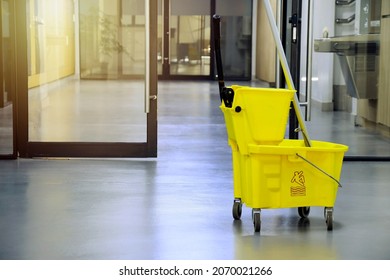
x,y
298,187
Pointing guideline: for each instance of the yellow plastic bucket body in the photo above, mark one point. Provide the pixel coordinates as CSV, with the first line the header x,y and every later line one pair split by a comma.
x,y
258,116
274,176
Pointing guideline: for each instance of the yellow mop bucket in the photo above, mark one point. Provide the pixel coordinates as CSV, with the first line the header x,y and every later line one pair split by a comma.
x,y
286,175
268,170
289,174
257,116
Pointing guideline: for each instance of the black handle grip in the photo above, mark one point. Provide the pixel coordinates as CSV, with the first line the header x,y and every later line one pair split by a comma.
x,y
217,49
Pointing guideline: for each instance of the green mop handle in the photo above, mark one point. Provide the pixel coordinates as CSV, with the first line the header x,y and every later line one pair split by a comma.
x,y
286,71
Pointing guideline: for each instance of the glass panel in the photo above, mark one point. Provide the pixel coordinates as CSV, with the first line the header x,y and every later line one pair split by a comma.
x,y
7,91
190,38
133,36
99,107
101,45
236,38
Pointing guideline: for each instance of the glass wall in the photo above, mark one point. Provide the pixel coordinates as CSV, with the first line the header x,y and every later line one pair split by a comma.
x,y
99,105
132,34
51,52
190,38
112,39
236,38
7,76
184,39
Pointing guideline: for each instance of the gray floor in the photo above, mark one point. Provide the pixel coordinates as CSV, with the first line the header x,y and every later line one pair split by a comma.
x,y
178,206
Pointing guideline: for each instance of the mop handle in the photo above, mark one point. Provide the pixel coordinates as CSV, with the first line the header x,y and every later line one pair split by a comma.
x,y
286,71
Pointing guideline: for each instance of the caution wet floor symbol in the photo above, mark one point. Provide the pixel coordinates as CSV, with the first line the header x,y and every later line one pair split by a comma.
x,y
298,187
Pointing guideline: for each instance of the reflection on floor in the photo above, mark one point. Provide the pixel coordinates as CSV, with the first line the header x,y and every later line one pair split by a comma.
x,y
179,205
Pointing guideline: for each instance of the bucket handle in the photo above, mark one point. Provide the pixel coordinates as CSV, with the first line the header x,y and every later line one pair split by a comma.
x,y
324,172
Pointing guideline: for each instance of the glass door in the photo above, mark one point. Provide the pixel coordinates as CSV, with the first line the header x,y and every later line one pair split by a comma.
x,y
236,38
91,85
7,76
185,40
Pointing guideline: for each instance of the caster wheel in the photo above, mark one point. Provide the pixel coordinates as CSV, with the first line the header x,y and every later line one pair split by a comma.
x,y
256,221
303,212
237,210
328,213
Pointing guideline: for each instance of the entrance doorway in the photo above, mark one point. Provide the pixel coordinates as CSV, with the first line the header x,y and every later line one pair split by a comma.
x,y
65,113
184,45
84,83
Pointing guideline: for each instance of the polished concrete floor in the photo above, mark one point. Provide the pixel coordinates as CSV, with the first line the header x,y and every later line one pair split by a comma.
x,y
179,205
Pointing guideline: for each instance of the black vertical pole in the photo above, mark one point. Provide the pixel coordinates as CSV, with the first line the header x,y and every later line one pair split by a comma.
x,y
291,17
217,50
295,59
166,38
283,35
213,9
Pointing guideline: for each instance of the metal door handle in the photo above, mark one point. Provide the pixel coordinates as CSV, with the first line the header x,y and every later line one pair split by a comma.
x,y
344,2
341,46
345,20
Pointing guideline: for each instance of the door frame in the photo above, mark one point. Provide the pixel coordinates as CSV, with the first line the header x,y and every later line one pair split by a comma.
x,y
30,149
165,73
